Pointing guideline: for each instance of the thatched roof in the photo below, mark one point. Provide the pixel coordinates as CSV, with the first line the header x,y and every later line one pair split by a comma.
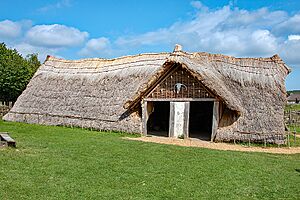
x,y
102,90
89,88
293,97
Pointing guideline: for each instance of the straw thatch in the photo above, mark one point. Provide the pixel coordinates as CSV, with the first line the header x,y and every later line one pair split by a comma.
x,y
294,98
106,94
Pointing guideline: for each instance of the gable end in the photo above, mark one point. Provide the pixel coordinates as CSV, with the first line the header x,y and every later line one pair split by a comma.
x,y
179,83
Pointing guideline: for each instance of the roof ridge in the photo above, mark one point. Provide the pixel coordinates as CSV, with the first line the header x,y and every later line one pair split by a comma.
x,y
49,57
218,57
275,57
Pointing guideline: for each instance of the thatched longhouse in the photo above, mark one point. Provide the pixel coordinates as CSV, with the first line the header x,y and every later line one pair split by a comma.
x,y
178,94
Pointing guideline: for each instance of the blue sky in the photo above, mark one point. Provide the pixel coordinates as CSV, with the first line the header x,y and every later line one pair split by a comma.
x,y
75,29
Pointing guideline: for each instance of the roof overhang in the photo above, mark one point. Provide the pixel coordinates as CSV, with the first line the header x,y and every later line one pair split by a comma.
x,y
215,85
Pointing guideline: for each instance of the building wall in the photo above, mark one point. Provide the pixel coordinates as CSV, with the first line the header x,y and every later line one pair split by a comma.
x,y
262,117
130,124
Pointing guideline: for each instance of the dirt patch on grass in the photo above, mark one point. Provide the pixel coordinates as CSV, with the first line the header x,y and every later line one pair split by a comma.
x,y
217,146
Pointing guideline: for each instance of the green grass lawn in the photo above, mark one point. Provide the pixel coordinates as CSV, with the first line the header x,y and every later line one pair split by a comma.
x,y
65,163
294,128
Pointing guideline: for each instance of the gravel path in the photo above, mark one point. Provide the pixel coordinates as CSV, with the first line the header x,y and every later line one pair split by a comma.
x,y
218,146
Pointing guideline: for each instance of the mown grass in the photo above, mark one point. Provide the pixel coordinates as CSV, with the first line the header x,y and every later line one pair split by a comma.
x,y
294,141
65,163
294,128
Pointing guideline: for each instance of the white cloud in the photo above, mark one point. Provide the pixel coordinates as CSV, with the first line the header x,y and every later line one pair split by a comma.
x,y
10,29
57,5
238,42
55,36
254,19
199,5
294,37
289,51
227,30
95,47
25,49
289,26
41,39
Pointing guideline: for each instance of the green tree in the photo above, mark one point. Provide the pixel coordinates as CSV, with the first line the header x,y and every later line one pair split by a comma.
x,y
15,72
33,62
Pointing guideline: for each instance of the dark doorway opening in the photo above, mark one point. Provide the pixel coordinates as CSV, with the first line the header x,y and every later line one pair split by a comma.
x,y
200,122
158,122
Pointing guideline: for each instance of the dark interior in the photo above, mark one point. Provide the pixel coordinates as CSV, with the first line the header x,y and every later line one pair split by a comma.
x,y
158,122
200,124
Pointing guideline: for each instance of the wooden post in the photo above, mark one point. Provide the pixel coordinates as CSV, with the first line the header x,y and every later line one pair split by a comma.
x,y
171,119
186,119
290,117
179,117
215,121
288,139
234,138
144,117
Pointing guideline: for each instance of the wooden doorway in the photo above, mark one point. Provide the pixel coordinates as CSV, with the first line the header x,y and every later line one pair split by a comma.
x,y
158,120
177,87
197,118
200,119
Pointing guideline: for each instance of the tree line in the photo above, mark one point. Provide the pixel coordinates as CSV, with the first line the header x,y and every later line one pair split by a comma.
x,y
15,72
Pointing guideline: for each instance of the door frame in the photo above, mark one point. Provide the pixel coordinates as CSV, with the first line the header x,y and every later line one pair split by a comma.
x,y
215,117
